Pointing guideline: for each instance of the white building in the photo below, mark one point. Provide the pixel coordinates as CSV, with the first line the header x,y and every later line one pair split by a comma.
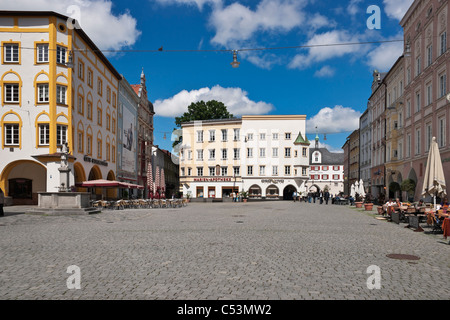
x,y
264,155
326,170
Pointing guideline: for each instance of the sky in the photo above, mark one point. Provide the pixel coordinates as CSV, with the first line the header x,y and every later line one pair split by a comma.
x,y
298,69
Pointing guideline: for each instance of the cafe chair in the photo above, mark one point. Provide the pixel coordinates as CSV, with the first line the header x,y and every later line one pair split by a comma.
x,y
437,225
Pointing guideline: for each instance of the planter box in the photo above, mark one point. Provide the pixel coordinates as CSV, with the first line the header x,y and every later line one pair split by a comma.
x,y
368,206
358,204
380,210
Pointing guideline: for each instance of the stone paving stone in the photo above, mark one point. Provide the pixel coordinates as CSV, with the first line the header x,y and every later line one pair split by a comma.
x,y
278,250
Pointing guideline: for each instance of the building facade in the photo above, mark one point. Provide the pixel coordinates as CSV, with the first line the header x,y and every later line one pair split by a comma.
x,y
265,156
145,132
326,170
365,149
64,90
126,134
426,109
164,160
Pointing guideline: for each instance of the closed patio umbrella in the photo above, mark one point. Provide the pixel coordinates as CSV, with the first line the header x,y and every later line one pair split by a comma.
x,y
361,188
352,190
434,179
150,179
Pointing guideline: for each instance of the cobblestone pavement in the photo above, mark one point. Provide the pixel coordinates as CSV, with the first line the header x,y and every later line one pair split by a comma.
x,y
256,250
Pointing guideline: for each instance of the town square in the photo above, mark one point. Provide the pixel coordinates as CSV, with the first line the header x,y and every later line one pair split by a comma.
x,y
224,150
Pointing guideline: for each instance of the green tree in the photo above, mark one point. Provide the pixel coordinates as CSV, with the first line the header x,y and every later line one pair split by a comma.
x,y
201,111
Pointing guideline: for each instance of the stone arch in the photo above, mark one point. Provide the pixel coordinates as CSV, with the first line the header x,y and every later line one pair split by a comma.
x,y
30,170
255,191
288,191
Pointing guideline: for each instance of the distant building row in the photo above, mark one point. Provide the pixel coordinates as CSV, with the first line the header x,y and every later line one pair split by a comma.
x,y
409,106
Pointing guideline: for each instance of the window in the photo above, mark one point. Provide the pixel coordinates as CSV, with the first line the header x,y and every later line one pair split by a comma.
x,y
44,134
224,154
89,145
212,171
324,177
250,137
89,110
224,134
443,38
61,134
80,70
249,152
200,136
250,170
304,171
417,141
408,109
275,170
429,94
236,153
113,152
11,93
99,116
199,154
408,145
11,53
99,148
236,134
80,141
262,152
80,105
224,171
262,170
287,170
99,86
274,152
325,168
429,55
61,94
189,171
42,53
236,171
304,152
287,152
108,94
417,101
262,136
287,136
42,92
275,136
11,135
336,168
212,135
418,66
108,121
89,78
441,132
442,85
336,176
113,124
114,99
212,154
61,55
408,75
429,136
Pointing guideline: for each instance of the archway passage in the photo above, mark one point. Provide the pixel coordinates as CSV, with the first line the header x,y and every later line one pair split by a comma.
x,y
22,180
111,193
254,191
79,175
95,174
288,192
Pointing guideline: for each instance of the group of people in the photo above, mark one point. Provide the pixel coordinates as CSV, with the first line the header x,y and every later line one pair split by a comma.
x,y
311,197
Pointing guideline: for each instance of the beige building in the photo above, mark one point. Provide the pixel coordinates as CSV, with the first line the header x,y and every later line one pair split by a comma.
x,y
61,90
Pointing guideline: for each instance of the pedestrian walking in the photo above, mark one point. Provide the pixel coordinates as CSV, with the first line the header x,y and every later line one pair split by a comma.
x,y
294,195
326,196
321,197
2,202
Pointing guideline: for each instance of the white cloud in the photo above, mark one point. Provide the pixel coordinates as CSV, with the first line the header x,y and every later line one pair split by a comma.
x,y
324,48
396,9
198,3
334,120
106,29
353,7
325,72
384,56
235,99
237,22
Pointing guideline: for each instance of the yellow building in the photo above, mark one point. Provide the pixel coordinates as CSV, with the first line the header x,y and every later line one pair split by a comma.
x,y
57,87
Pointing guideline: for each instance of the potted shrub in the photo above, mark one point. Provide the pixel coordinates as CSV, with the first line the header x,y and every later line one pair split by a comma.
x,y
368,204
358,201
188,196
244,196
